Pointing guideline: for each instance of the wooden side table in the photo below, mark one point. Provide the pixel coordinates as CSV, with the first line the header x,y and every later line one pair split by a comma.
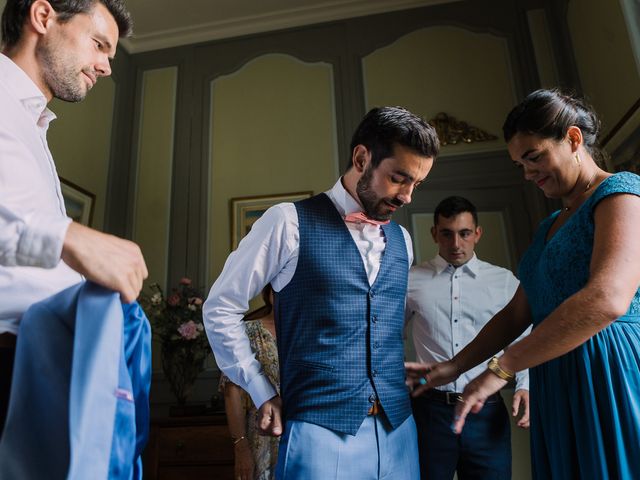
x,y
191,448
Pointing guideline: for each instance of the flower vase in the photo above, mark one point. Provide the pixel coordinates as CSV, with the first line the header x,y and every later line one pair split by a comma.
x,y
176,322
181,364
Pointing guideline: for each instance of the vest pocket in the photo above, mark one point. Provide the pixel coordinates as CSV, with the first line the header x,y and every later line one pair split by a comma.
x,y
311,365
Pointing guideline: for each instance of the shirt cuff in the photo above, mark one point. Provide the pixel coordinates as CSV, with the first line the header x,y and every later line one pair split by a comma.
x,y
41,241
522,380
261,390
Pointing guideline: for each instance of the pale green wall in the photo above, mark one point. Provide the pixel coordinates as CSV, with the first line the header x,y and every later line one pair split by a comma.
x,y
155,162
606,62
445,69
631,11
80,141
424,248
273,131
543,49
520,443
153,185
626,130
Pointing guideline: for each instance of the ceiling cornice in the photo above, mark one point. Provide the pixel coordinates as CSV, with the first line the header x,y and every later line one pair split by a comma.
x,y
277,20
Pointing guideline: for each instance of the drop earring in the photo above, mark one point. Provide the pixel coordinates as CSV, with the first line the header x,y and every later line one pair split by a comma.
x,y
578,159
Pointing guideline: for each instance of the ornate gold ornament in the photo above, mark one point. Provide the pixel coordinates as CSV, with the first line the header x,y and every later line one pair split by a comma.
x,y
451,131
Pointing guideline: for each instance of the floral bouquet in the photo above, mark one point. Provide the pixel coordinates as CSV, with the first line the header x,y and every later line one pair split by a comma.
x,y
176,322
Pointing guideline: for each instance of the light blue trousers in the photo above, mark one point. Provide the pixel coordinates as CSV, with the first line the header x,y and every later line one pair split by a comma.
x,y
311,452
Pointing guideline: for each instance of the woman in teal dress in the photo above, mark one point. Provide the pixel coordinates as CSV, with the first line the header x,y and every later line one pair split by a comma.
x,y
579,288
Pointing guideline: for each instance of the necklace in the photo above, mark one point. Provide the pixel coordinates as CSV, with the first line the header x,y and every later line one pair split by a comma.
x,y
586,189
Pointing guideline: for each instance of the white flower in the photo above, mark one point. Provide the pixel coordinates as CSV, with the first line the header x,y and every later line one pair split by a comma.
x,y
156,298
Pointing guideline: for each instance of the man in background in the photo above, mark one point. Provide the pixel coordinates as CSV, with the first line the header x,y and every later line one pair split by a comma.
x,y
339,269
450,298
56,48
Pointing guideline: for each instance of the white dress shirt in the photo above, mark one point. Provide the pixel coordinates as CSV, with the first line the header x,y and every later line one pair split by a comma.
x,y
33,221
448,306
269,254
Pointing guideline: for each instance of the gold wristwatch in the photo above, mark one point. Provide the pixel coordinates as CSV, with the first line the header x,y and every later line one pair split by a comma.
x,y
499,371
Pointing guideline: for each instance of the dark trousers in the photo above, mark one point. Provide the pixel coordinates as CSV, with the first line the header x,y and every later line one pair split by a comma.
x,y
482,451
7,354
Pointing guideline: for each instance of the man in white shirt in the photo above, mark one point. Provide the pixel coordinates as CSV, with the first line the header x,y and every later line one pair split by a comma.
x,y
449,300
339,271
56,48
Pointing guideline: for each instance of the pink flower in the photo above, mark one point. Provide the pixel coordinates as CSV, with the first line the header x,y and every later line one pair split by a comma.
x,y
173,300
189,330
185,281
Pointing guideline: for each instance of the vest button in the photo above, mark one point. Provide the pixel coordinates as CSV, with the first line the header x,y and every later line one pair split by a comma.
x,y
376,345
374,373
372,294
372,398
374,319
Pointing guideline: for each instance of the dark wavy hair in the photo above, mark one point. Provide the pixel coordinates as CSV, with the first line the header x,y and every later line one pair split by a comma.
x,y
550,113
383,127
16,13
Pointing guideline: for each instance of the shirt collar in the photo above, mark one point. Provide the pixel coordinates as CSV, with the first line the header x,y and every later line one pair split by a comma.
x,y
26,91
342,199
471,267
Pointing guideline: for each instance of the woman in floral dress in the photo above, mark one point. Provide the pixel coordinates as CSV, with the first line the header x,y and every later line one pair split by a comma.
x,y
255,455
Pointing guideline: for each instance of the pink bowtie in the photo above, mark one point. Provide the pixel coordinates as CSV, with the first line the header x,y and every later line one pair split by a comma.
x,y
360,217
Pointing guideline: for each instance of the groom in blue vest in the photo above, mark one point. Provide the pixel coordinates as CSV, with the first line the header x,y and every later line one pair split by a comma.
x,y
339,268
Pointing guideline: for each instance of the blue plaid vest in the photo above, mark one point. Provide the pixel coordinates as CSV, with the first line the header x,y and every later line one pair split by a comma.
x,y
340,341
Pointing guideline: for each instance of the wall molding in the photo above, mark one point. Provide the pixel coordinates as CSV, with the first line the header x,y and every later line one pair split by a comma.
x,y
320,12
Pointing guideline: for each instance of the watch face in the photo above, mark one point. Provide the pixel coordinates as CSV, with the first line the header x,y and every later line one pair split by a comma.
x,y
498,371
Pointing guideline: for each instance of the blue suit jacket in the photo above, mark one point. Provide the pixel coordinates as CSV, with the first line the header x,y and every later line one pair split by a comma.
x,y
79,406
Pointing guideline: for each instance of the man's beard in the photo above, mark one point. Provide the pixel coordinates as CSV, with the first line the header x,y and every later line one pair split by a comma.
x,y
370,201
59,74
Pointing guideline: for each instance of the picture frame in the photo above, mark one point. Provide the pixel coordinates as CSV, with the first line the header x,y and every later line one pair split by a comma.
x,y
246,210
79,203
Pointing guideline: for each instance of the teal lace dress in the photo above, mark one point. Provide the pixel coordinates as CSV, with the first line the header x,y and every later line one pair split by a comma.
x,y
585,405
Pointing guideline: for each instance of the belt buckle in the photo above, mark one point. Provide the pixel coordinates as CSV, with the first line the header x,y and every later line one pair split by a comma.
x,y
375,408
452,398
